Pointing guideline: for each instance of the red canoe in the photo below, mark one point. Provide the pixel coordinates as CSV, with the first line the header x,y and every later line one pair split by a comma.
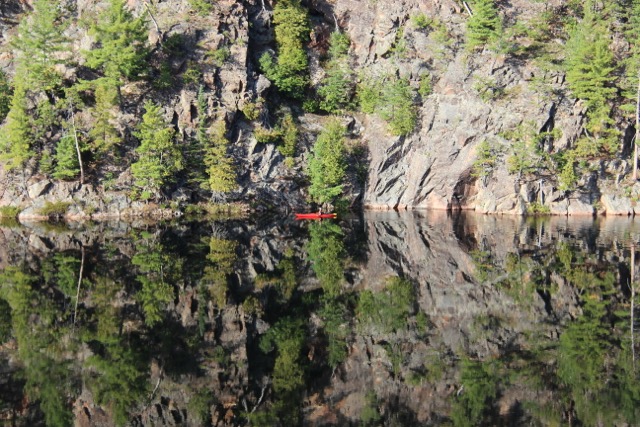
x,y
314,215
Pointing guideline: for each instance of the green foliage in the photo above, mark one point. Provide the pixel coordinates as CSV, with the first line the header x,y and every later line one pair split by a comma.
x,y
164,79
288,337
591,68
289,136
327,167
219,56
267,136
524,156
421,21
252,110
15,140
120,38
220,170
202,7
326,252
9,211
339,45
485,24
159,157
333,314
41,46
567,178
103,136
290,71
480,388
67,165
6,93
54,209
387,311
426,87
392,100
338,87
536,208
120,379
369,416
486,158
488,89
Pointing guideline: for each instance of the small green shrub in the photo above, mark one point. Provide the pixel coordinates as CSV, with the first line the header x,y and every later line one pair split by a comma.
x,y
252,110
536,208
488,89
267,136
392,100
192,75
220,56
289,132
9,211
202,7
54,209
487,156
426,87
421,21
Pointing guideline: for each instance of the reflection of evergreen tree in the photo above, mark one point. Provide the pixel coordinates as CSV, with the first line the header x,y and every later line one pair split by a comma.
x,y
118,369
121,380
222,256
38,332
387,311
158,270
326,252
287,337
479,388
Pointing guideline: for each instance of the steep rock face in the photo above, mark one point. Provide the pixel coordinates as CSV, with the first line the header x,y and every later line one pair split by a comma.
x,y
430,168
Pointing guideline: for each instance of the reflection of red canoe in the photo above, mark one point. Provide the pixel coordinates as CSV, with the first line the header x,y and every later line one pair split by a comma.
x,y
314,215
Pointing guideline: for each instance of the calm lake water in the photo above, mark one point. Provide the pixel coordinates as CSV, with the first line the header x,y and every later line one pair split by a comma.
x,y
387,319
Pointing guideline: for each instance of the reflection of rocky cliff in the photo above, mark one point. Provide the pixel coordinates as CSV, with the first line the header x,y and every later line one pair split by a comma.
x,y
468,313
429,168
487,294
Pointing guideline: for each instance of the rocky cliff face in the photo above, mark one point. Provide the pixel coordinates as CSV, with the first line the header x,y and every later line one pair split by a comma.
x,y
430,168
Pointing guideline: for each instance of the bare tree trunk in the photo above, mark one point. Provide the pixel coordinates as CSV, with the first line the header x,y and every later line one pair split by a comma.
x,y
155,23
75,136
466,6
633,298
75,308
635,145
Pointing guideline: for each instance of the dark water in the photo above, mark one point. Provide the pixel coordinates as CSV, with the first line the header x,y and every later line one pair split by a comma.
x,y
416,319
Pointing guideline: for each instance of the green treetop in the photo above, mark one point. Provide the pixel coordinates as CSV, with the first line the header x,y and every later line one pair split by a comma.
x,y
327,166
590,68
292,30
67,165
484,25
120,40
220,169
39,44
159,156
16,135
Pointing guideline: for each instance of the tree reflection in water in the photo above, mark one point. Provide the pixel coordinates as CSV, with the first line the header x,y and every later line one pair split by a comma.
x,y
386,320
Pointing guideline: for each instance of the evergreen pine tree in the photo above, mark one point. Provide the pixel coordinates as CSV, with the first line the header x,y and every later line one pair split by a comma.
x,y
220,169
338,86
159,157
15,138
120,44
39,44
103,135
5,96
484,25
290,72
591,70
67,166
327,165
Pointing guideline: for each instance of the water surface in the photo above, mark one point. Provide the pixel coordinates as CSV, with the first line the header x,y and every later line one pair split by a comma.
x,y
387,319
